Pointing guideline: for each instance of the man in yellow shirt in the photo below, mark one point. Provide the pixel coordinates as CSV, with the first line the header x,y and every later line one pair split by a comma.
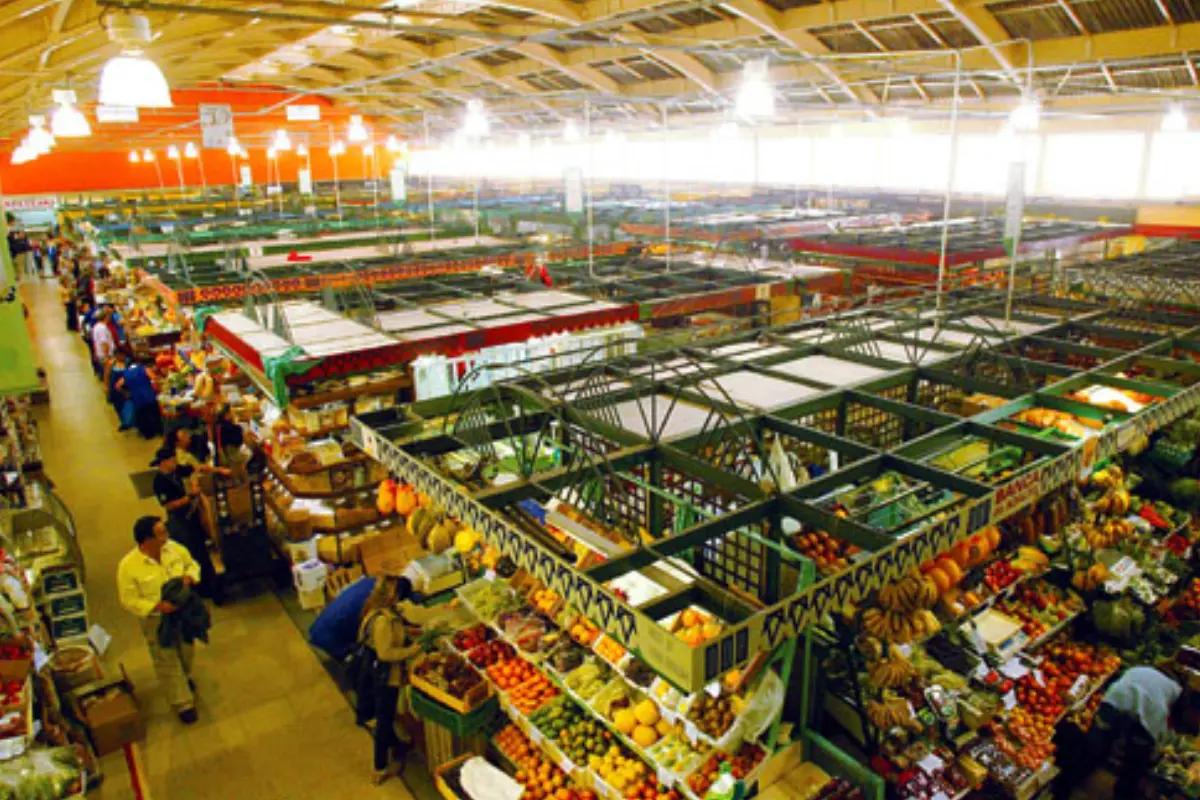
x,y
140,578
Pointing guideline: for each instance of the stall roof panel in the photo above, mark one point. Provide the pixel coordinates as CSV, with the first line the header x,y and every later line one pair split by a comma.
x,y
755,391
829,370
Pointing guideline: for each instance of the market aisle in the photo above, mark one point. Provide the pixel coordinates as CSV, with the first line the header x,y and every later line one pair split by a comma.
x,y
272,724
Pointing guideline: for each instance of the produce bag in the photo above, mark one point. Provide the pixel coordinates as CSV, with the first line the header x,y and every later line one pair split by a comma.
x,y
766,704
482,781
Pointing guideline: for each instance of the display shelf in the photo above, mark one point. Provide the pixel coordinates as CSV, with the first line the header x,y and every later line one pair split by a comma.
x,y
285,480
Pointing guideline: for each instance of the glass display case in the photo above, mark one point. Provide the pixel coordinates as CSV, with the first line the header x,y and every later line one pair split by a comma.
x,y
42,535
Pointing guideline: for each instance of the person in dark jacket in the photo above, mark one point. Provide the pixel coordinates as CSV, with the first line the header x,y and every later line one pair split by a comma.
x,y
180,498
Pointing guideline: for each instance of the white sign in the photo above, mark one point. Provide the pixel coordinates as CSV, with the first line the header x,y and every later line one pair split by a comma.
x,y
216,126
1014,206
116,114
304,178
573,190
400,185
303,113
247,178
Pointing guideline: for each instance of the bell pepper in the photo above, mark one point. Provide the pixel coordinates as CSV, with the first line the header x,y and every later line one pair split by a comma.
x,y
1150,515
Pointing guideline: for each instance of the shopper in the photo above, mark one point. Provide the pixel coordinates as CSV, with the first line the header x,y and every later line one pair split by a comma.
x,y
387,637
181,500
1139,710
135,384
188,455
104,344
141,576
66,293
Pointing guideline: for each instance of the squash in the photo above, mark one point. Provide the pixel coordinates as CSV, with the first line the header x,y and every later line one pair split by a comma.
x,y
961,553
385,498
952,569
993,536
977,550
941,579
406,500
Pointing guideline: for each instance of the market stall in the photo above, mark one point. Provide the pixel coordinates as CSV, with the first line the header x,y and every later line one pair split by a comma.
x,y
909,514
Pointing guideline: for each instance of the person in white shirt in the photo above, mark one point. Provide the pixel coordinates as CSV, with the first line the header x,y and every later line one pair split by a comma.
x,y
140,578
103,343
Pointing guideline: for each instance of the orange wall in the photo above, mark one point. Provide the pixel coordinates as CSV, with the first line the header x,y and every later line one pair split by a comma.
x,y
66,171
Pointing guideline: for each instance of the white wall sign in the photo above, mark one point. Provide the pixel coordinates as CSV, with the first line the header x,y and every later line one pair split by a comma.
x,y
400,184
573,189
216,126
303,113
304,178
247,178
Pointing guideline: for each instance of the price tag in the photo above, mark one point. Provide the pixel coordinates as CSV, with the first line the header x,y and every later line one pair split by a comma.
x,y
1014,669
690,730
940,796
905,649
1037,676
1010,700
669,715
1078,687
40,658
665,778
931,764
566,766
714,689
536,736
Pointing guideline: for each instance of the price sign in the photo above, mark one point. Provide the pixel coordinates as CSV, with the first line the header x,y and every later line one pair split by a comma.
x,y
689,730
1010,701
566,766
665,778
536,736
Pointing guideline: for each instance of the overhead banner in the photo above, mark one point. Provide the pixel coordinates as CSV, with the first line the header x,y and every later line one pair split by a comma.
x,y
400,184
216,126
1014,206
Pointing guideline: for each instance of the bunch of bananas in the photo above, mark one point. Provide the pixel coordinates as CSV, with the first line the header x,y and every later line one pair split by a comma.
x,y
1114,502
913,592
1106,535
891,712
900,627
891,672
1030,559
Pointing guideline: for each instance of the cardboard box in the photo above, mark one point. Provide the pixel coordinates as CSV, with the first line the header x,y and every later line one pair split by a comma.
x,y
114,719
15,669
388,552
311,599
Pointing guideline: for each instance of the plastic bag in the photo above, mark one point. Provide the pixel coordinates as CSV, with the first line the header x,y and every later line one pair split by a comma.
x,y
766,704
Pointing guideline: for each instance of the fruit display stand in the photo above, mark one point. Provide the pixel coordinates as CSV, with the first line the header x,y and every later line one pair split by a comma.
x,y
953,478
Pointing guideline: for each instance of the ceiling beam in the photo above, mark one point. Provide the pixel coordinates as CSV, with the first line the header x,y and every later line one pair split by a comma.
x,y
984,26
770,22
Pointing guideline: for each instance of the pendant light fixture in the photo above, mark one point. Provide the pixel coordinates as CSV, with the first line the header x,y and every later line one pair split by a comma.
x,y
302,150
394,145
755,98
148,155
475,122
234,148
1026,117
338,148
357,132
40,140
571,133
190,151
282,141
131,79
67,121
134,158
1175,120
173,153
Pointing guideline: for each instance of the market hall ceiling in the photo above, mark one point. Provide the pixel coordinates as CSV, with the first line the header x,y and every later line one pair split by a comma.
x,y
534,61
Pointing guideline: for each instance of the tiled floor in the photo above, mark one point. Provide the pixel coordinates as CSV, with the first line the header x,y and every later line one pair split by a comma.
x,y
272,723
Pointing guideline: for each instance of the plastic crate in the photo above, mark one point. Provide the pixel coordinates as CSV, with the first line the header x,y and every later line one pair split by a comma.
x,y
457,724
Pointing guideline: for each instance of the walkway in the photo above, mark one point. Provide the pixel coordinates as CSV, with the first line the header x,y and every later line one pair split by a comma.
x,y
272,723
